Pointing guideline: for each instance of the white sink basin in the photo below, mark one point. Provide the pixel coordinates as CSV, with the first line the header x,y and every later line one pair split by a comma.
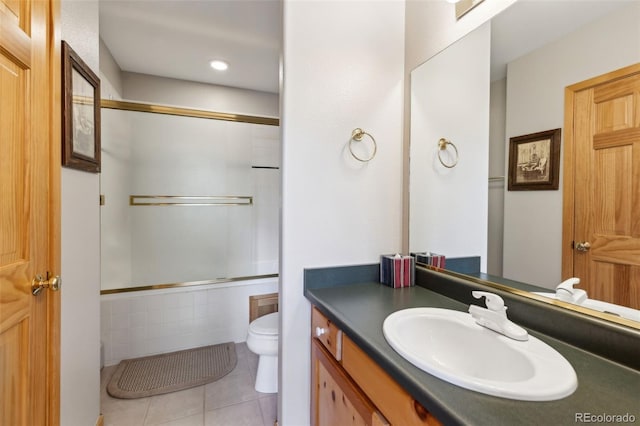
x,y
452,346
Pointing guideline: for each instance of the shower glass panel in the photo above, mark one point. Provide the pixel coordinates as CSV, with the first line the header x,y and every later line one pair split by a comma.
x,y
187,200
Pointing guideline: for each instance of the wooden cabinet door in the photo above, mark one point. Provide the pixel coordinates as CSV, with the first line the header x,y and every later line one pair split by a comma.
x,y
602,186
29,206
390,398
335,399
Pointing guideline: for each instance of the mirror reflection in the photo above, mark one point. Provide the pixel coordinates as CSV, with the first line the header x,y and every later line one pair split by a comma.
x,y
503,80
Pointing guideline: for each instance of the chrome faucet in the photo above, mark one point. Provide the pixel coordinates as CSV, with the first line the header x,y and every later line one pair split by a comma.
x,y
494,316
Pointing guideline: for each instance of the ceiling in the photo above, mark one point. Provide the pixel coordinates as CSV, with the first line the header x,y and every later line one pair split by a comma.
x,y
178,39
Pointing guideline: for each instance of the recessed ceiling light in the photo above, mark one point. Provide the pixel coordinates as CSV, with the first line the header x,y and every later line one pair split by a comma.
x,y
453,1
219,65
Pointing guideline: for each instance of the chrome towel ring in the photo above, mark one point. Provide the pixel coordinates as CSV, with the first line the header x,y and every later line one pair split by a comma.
x,y
442,144
357,136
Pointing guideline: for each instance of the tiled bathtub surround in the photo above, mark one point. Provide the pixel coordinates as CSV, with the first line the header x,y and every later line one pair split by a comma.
x,y
144,323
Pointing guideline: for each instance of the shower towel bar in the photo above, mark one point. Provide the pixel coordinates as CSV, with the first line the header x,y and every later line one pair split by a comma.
x,y
194,200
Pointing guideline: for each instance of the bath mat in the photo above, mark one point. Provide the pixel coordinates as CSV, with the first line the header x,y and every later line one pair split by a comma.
x,y
170,372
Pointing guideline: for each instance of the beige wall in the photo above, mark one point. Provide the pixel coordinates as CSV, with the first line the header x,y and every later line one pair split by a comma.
x,y
169,91
110,75
343,69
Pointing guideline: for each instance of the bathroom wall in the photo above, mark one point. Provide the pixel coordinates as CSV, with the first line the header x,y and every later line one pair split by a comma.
x,y
535,102
497,117
169,91
431,26
110,75
80,292
343,68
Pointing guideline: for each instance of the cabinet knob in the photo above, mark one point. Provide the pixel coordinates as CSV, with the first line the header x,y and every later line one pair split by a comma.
x,y
320,331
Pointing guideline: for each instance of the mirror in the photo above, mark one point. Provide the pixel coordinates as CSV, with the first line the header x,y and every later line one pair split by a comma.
x,y
478,102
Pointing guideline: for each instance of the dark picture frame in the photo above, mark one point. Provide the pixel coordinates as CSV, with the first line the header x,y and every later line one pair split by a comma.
x,y
80,113
534,161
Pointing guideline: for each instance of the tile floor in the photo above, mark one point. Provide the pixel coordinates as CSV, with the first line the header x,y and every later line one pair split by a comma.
x,y
229,401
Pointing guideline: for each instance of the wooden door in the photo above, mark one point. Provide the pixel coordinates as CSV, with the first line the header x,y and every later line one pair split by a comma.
x,y
29,211
602,186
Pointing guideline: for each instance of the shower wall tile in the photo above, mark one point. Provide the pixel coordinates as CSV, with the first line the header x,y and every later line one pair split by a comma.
x,y
138,334
120,321
138,319
139,304
155,302
135,325
120,307
155,316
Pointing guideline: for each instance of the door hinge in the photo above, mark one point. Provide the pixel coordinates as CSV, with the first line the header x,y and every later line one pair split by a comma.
x,y
101,199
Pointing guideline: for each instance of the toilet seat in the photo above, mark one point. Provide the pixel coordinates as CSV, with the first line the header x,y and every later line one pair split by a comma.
x,y
266,325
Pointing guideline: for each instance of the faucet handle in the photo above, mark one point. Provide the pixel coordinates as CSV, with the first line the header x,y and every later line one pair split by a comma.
x,y
568,284
493,301
567,293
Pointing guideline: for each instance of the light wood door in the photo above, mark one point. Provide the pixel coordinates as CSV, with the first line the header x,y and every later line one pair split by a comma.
x,y
29,206
602,186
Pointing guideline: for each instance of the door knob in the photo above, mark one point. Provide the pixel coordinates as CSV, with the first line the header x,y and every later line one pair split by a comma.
x,y
39,282
584,246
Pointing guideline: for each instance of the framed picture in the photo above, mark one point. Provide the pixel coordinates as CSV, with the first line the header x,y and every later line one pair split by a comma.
x,y
80,113
534,161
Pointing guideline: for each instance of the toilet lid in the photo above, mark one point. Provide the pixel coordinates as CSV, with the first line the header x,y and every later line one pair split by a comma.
x,y
266,324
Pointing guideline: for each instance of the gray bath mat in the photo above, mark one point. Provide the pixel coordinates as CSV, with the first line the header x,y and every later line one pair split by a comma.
x,y
170,372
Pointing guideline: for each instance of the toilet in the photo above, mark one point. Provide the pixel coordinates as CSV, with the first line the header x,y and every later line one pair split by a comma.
x,y
262,340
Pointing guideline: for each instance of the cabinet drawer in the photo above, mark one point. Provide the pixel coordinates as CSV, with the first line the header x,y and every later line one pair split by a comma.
x,y
327,333
390,398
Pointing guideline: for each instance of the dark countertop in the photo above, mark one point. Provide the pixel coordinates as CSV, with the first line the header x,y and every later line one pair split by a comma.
x,y
604,387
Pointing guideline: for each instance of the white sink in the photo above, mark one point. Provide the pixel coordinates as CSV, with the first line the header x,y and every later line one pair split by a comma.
x,y
452,346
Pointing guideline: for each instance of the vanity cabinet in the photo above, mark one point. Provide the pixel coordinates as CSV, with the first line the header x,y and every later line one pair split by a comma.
x,y
336,399
348,387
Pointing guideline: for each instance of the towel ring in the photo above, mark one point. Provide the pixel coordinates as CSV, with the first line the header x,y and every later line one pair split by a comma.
x,y
442,143
357,135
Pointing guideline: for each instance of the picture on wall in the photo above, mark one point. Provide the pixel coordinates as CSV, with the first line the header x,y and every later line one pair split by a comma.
x,y
534,161
80,113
